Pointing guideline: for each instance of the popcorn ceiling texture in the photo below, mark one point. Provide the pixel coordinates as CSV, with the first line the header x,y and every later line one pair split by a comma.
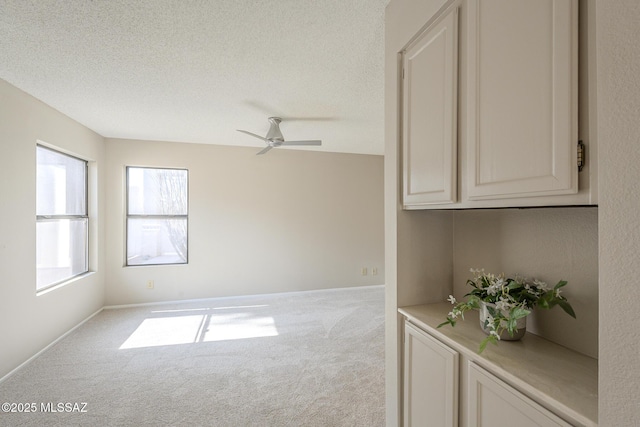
x,y
194,71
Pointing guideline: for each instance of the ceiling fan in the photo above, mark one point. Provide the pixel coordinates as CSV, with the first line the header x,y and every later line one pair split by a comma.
x,y
275,139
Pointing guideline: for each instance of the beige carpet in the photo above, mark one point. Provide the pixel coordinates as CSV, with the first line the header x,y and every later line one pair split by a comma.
x,y
301,359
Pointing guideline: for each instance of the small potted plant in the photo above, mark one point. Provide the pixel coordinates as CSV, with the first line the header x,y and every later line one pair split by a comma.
x,y
504,303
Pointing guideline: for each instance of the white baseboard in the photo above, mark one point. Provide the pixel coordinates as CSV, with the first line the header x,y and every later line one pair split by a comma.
x,y
144,304
29,360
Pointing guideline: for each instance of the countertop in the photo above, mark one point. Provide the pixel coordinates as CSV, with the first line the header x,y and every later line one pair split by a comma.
x,y
548,372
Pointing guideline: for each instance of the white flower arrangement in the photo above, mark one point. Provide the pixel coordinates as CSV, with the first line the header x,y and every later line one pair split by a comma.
x,y
508,300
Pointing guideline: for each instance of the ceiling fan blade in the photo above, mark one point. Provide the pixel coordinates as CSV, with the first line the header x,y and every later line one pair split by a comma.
x,y
253,134
309,118
264,150
309,142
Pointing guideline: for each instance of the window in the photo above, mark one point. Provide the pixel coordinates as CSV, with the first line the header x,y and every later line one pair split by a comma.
x,y
156,216
62,223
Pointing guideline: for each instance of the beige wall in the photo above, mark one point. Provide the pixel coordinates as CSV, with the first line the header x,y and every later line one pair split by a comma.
x,y
619,216
28,322
286,221
548,244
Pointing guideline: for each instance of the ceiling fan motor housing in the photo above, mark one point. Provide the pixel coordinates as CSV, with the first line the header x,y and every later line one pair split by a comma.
x,y
274,135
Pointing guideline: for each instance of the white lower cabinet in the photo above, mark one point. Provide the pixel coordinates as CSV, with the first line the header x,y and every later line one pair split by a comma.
x,y
430,381
445,388
494,403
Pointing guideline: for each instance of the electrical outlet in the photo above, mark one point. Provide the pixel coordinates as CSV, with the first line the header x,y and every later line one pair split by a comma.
x,y
150,284
374,271
364,271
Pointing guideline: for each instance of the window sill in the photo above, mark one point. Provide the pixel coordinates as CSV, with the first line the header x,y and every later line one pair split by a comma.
x,y
65,283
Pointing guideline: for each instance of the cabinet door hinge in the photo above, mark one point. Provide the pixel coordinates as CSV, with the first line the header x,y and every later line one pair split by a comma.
x,y
581,156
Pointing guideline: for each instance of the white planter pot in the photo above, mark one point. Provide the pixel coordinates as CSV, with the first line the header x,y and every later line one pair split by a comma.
x,y
504,335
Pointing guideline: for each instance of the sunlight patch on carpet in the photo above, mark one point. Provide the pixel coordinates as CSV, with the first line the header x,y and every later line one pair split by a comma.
x,y
191,329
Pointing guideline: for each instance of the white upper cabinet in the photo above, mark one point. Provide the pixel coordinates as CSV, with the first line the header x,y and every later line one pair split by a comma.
x,y
522,101
496,95
430,69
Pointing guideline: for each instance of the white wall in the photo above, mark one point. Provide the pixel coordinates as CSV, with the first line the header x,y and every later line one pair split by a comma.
x,y
286,221
412,237
28,322
418,245
618,34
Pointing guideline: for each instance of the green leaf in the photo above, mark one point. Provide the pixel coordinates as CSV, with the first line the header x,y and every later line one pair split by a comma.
x,y
543,302
560,284
519,313
474,302
513,285
567,308
490,339
492,311
448,322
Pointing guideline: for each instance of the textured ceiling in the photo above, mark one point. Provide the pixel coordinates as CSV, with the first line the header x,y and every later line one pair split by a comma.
x,y
197,70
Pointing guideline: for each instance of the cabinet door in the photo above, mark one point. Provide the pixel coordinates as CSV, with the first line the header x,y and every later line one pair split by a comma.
x,y
430,381
430,75
493,403
522,98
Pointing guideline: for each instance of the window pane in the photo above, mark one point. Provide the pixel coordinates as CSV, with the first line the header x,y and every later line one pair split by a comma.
x,y
157,191
61,248
61,184
156,241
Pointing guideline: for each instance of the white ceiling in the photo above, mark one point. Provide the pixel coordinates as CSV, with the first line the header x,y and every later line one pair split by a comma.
x,y
197,70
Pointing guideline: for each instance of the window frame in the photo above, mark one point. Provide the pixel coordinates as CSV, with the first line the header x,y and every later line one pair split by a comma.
x,y
58,217
153,216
